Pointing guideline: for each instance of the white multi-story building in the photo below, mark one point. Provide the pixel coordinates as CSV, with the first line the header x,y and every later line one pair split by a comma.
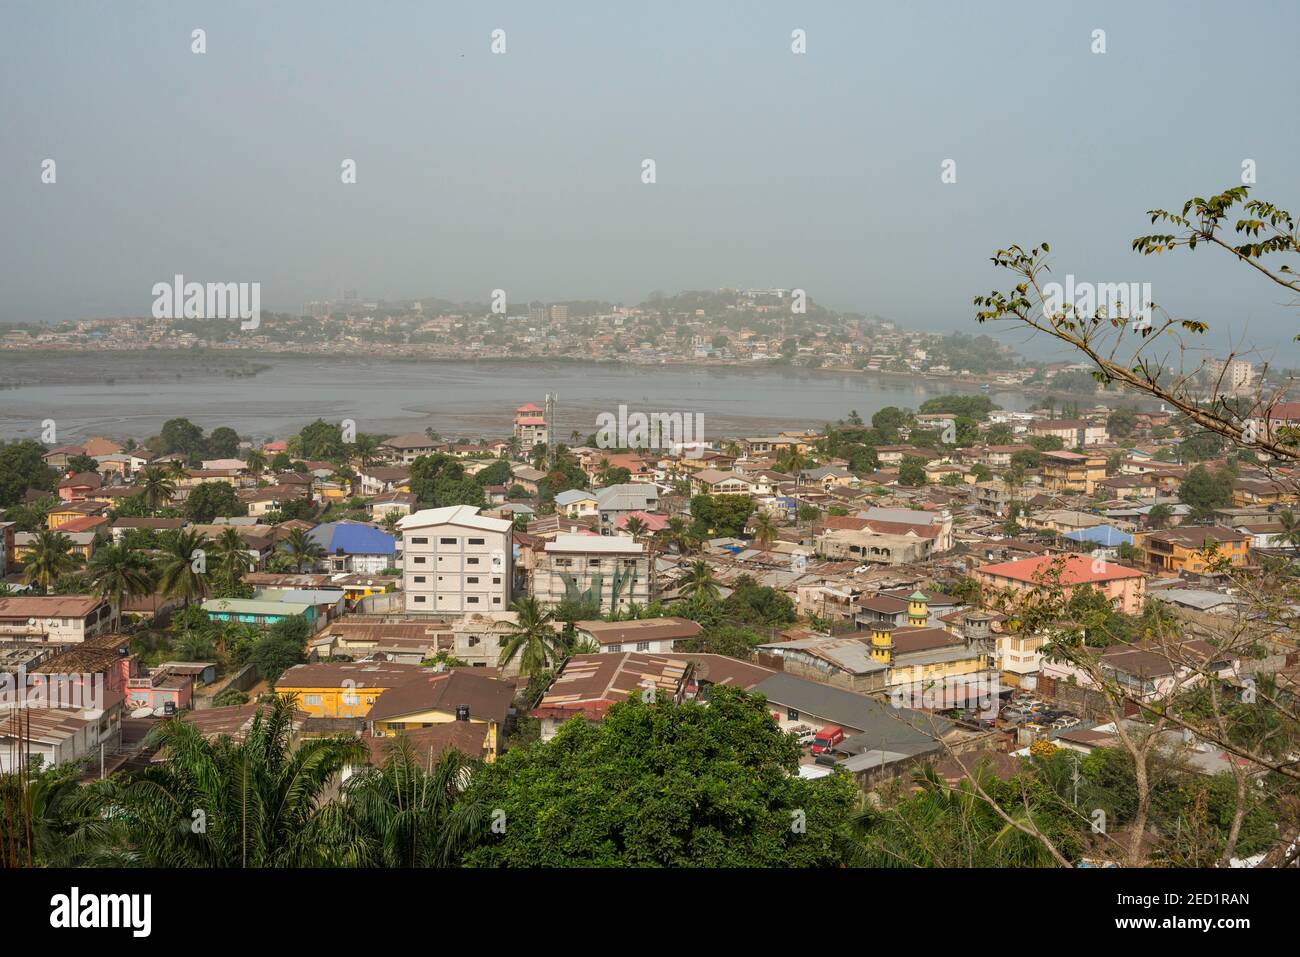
x,y
1232,376
530,427
456,560
613,568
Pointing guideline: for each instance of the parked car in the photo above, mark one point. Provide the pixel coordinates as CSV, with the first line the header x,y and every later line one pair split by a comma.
x,y
804,733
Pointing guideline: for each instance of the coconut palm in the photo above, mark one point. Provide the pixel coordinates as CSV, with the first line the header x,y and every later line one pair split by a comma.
x,y
366,448
48,559
1290,532
177,575
678,534
534,639
222,803
400,814
256,461
156,487
700,580
176,468
232,557
792,461
764,529
635,526
118,572
303,550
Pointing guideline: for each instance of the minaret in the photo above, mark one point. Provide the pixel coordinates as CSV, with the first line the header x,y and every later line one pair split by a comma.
x,y
918,609
882,643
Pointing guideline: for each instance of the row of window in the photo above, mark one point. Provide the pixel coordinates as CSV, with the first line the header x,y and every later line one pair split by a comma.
x,y
469,579
449,541
469,599
640,646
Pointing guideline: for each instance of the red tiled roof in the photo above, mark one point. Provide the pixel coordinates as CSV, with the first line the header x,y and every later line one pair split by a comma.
x,y
1074,569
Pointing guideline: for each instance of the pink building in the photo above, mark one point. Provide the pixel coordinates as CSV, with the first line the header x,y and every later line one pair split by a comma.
x,y
1124,586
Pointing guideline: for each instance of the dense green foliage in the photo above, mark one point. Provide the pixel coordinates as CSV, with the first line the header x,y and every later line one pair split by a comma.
x,y
658,784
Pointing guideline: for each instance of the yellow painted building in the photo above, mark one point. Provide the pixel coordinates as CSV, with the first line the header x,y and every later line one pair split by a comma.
x,y
343,689
1072,472
440,698
1193,548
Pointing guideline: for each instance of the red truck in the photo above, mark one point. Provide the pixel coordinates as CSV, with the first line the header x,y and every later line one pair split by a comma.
x,y
827,738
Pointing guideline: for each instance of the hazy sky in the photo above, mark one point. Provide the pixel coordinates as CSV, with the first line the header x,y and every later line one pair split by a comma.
x,y
522,170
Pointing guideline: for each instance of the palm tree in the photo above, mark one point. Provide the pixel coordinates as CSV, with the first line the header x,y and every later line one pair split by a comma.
x,y
700,580
176,468
303,549
791,461
232,557
764,529
367,447
46,821
118,572
177,576
253,803
400,814
1290,534
678,533
49,559
156,488
533,639
256,461
638,528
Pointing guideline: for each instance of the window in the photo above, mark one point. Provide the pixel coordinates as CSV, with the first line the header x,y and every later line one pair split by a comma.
x,y
614,648
496,600
643,646
419,541
471,561
447,541
791,714
473,599
311,699
419,579
497,580
476,541
418,559
472,579
419,598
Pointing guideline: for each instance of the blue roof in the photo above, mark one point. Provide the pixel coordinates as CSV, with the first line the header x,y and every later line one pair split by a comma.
x,y
1107,535
353,539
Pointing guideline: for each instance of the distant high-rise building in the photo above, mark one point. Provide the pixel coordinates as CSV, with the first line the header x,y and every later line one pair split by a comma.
x,y
559,312
1236,375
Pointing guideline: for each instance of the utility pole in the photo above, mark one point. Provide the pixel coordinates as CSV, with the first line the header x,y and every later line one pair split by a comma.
x,y
550,426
